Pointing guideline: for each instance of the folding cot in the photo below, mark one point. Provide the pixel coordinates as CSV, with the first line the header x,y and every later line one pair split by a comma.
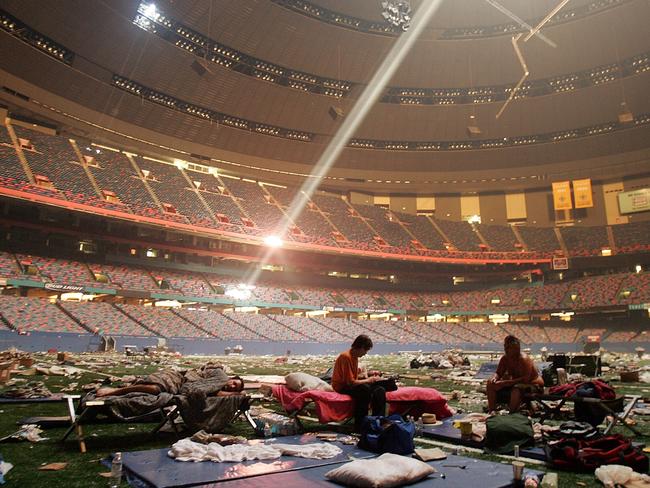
x,y
336,407
615,409
55,398
164,413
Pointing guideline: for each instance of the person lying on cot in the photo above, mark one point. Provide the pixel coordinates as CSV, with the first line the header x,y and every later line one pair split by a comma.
x,y
364,391
208,380
515,375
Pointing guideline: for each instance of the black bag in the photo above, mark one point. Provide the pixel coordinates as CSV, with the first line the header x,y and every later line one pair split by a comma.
x,y
594,413
549,375
577,430
587,455
327,375
389,384
387,434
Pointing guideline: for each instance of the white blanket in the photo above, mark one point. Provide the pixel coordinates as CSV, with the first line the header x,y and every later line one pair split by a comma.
x,y
188,450
616,475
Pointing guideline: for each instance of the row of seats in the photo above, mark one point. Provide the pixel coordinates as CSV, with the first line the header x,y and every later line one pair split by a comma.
x,y
37,314
583,293
245,207
104,318
26,314
162,322
56,270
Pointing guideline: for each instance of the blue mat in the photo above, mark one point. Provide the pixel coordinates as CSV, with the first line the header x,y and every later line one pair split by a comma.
x,y
477,473
158,470
488,369
56,398
533,453
448,433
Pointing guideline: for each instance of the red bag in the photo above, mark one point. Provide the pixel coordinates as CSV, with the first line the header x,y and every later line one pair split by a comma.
x,y
600,390
587,455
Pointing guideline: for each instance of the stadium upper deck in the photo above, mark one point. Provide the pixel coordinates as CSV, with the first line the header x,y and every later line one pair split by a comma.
x,y
55,170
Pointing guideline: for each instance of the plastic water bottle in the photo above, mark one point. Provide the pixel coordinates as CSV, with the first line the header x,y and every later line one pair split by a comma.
x,y
419,427
116,471
267,430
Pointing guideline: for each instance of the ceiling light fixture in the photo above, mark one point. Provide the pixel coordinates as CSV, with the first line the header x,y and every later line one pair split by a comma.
x,y
625,116
397,13
524,67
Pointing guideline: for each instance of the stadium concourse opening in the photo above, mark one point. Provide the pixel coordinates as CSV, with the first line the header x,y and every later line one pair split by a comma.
x,y
222,221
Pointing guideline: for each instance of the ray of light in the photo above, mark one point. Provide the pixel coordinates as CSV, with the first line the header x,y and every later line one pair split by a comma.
x,y
371,93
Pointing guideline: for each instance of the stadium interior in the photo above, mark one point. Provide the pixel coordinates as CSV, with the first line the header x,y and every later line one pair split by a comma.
x,y
285,175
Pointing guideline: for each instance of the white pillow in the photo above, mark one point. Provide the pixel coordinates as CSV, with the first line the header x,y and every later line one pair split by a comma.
x,y
304,382
386,471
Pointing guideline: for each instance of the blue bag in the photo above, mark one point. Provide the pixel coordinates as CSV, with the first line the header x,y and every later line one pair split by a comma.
x,y
387,434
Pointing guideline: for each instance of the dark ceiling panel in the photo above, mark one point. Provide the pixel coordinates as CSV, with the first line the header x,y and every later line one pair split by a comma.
x,y
106,42
459,13
582,44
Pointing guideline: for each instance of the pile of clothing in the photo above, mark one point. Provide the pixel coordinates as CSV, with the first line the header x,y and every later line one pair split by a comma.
x,y
443,360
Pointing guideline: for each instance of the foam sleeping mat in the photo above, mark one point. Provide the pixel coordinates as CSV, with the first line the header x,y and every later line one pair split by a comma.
x,y
476,473
488,369
46,422
446,432
51,399
158,470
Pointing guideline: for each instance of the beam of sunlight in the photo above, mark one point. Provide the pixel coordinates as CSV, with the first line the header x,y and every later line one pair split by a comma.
x,y
354,118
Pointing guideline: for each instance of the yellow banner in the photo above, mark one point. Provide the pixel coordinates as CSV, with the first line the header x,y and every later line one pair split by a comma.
x,y
582,193
562,195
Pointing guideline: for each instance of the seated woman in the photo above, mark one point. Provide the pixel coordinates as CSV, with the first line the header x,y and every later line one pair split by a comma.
x,y
516,373
210,380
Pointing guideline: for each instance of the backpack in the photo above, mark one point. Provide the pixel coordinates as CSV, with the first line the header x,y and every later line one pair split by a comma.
x,y
587,455
387,434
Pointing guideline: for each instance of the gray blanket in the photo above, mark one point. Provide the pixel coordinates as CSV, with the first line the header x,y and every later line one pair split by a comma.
x,y
197,407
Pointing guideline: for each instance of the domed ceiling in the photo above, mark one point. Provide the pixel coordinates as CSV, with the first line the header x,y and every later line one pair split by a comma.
x,y
265,84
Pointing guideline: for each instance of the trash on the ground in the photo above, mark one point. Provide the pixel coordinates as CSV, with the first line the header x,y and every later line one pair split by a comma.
x,y
53,467
29,432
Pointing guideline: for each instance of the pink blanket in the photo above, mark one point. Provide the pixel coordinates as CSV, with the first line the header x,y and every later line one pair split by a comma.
x,y
335,407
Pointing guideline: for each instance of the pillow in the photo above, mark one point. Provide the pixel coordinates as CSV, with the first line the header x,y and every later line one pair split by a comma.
x,y
305,382
386,471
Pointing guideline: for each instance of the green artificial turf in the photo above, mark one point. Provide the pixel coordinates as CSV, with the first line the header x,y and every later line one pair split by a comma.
x,y
83,470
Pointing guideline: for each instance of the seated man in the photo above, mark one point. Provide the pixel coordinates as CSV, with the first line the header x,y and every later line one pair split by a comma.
x,y
515,373
208,380
345,379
